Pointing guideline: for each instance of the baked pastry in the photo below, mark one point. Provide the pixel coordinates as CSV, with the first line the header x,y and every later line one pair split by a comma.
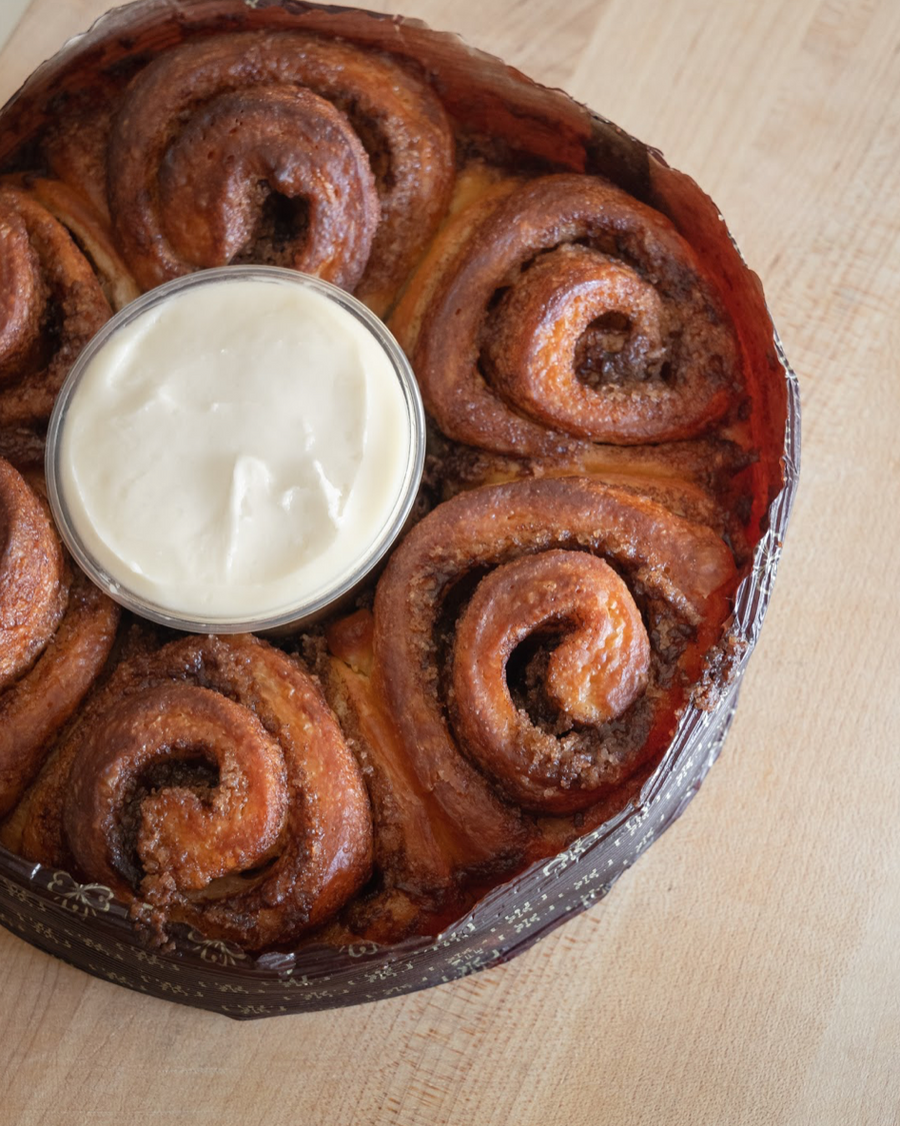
x,y
56,632
531,646
339,162
600,465
558,310
52,304
195,765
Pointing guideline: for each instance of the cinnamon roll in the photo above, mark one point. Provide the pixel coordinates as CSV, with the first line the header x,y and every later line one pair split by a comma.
x,y
558,312
56,631
208,783
51,304
532,645
279,148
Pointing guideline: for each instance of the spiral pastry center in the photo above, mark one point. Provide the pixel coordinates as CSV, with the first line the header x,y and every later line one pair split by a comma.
x,y
283,149
591,322
185,836
596,671
563,311
556,549
210,782
301,196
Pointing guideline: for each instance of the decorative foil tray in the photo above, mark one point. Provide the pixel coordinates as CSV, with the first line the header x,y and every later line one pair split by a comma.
x,y
82,924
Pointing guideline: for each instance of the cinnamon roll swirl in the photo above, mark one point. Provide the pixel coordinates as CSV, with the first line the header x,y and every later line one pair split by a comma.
x,y
208,783
533,644
279,148
558,312
51,304
56,632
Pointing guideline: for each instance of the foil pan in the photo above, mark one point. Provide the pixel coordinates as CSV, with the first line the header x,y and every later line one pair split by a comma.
x,y
83,924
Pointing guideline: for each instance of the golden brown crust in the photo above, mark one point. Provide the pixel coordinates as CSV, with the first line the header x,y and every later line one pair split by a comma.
x,y
51,304
505,293
75,148
679,572
417,889
32,576
692,479
56,632
90,228
108,803
414,847
594,674
185,106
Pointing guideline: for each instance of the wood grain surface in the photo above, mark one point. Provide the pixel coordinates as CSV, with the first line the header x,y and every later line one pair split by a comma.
x,y
747,970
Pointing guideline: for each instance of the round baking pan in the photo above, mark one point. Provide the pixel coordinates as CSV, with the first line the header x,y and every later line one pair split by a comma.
x,y
83,924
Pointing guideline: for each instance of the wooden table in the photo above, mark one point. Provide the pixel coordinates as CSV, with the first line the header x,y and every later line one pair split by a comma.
x,y
748,969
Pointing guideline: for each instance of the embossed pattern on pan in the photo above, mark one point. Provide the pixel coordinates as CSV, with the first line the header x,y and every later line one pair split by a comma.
x,y
82,923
